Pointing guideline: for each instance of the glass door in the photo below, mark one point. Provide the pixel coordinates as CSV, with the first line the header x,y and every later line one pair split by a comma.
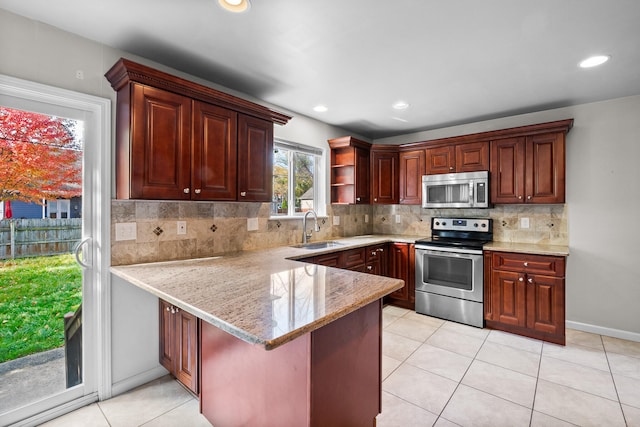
x,y
52,257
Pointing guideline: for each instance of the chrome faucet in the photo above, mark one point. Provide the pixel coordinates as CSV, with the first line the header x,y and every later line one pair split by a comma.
x,y
305,236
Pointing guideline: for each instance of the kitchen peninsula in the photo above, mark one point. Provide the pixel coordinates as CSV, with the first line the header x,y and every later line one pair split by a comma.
x,y
281,342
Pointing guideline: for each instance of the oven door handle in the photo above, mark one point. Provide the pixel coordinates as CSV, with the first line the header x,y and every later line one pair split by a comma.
x,y
434,251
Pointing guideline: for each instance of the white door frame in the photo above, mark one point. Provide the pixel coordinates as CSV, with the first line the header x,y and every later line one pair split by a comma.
x,y
96,329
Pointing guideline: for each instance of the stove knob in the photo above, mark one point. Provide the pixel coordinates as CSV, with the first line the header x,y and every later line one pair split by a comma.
x,y
437,222
483,225
444,223
475,224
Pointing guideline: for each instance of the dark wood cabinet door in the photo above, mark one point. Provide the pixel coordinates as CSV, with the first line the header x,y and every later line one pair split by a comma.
x,y
440,160
362,176
160,144
545,166
412,168
167,336
507,170
214,159
255,159
385,177
399,268
509,303
545,304
186,360
472,157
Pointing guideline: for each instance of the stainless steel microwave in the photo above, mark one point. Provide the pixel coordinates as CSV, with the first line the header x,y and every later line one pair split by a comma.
x,y
456,190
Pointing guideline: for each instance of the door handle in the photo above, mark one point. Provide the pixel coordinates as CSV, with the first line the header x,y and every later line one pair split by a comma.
x,y
79,249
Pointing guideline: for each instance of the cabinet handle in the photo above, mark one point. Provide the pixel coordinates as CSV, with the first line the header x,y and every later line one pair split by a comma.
x,y
186,191
197,191
530,280
521,279
526,264
373,253
173,310
528,197
375,200
519,197
168,309
369,267
380,249
357,199
243,193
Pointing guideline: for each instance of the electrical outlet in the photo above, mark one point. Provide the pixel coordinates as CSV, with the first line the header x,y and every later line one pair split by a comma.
x,y
398,219
182,227
252,224
79,74
366,217
126,231
336,220
524,222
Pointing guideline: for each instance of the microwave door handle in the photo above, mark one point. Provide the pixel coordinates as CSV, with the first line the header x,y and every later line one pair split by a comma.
x,y
471,198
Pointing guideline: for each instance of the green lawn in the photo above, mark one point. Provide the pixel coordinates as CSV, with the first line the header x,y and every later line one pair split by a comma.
x,y
35,294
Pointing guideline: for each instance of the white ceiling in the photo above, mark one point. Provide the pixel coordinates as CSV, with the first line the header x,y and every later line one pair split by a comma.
x,y
454,61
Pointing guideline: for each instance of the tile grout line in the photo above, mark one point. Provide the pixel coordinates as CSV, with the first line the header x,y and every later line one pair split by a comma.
x,y
613,380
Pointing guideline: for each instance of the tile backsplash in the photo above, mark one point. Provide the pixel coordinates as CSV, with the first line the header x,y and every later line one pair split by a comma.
x,y
215,228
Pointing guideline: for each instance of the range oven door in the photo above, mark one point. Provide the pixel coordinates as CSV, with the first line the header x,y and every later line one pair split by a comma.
x,y
452,272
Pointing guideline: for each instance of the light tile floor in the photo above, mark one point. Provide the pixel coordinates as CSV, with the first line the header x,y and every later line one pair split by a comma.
x,y
439,373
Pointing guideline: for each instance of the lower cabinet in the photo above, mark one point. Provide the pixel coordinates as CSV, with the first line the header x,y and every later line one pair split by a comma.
x,y
402,259
525,295
395,260
179,344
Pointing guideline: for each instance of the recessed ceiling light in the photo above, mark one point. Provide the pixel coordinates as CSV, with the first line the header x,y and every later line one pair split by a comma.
x,y
235,5
400,105
594,61
320,108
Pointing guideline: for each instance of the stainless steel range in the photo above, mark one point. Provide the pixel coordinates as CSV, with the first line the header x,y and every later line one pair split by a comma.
x,y
449,269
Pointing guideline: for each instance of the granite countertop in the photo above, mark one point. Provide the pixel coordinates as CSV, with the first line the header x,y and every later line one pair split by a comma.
x,y
268,297
529,248
264,297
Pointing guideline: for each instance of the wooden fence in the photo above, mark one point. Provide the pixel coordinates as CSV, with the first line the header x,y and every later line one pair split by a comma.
x,y
21,238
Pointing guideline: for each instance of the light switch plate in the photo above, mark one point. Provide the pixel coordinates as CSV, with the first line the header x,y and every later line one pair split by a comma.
x,y
398,219
252,224
524,222
182,227
126,231
366,217
336,220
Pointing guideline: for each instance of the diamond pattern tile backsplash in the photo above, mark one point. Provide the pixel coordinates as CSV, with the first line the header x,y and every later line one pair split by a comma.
x,y
215,228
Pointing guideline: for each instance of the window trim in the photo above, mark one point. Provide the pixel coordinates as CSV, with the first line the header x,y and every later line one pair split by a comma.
x,y
319,197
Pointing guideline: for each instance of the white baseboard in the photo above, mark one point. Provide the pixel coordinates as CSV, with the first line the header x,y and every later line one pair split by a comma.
x,y
600,330
137,380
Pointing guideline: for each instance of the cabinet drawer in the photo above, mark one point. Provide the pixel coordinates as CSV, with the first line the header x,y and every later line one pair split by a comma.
x,y
527,263
329,260
376,252
352,258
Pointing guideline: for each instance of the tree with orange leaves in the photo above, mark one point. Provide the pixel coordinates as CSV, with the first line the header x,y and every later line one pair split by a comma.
x,y
40,157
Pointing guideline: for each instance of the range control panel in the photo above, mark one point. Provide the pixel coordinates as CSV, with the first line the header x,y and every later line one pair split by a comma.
x,y
461,224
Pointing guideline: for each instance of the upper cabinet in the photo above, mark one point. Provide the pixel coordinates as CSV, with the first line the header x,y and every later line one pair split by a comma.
x,y
466,157
528,169
384,174
178,140
350,171
412,167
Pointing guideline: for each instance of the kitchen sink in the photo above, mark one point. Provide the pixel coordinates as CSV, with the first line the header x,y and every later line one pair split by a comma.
x,y
319,245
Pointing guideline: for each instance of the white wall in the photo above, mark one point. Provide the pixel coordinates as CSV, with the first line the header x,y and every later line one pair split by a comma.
x,y
603,199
